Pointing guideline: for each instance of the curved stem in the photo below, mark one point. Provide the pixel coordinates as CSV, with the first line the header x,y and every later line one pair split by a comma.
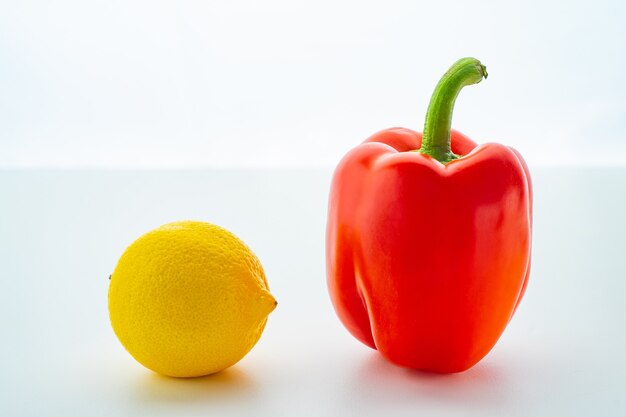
x,y
436,138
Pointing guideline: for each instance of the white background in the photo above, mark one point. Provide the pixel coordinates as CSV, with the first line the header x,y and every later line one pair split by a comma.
x,y
251,92
265,83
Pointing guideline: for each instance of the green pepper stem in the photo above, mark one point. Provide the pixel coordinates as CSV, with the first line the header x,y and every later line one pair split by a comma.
x,y
436,137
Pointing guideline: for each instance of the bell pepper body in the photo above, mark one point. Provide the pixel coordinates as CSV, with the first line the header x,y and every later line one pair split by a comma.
x,y
427,262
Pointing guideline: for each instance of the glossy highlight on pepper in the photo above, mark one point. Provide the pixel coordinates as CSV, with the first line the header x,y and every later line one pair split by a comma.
x,y
428,238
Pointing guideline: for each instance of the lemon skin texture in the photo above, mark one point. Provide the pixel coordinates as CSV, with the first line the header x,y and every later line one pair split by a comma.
x,y
189,299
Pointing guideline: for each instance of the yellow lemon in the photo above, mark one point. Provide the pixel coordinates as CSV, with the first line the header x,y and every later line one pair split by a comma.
x,y
189,299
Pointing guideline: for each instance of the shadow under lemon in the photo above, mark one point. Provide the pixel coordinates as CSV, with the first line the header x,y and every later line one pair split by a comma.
x,y
222,387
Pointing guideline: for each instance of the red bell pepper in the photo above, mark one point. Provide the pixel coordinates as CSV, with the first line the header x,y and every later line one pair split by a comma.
x,y
428,238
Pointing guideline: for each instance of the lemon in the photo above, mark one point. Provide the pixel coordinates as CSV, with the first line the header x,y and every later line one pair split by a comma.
x,y
189,299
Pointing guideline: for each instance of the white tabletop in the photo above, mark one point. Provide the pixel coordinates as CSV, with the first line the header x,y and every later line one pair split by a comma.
x,y
61,233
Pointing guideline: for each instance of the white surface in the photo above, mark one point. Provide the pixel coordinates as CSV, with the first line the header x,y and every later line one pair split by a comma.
x,y
275,82
61,233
